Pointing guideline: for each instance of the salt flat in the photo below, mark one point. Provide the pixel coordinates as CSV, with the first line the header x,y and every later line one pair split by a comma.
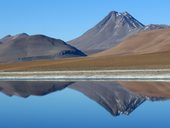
x,y
90,75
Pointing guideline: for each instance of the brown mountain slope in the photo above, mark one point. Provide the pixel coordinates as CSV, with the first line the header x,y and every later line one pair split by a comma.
x,y
154,60
142,43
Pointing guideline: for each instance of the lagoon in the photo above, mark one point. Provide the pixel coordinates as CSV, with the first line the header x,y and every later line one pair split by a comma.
x,y
51,104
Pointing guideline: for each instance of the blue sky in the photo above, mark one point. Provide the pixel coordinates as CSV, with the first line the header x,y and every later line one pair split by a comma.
x,y
67,19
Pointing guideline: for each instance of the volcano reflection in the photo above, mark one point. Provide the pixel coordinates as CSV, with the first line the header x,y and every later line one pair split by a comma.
x,y
116,97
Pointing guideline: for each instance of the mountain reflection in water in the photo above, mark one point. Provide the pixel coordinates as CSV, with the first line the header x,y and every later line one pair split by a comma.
x,y
119,97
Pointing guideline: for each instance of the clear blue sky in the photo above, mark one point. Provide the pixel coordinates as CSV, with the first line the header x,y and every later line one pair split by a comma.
x,y
67,19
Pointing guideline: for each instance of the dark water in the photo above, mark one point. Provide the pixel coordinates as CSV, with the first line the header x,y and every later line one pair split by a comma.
x,y
84,104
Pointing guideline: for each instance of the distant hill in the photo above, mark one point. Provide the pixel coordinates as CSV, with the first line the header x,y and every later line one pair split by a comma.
x,y
112,30
23,47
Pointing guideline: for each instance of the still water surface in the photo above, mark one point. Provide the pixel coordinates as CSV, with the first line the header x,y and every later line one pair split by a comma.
x,y
84,104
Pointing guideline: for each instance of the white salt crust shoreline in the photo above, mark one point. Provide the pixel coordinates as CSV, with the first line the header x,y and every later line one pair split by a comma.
x,y
90,75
